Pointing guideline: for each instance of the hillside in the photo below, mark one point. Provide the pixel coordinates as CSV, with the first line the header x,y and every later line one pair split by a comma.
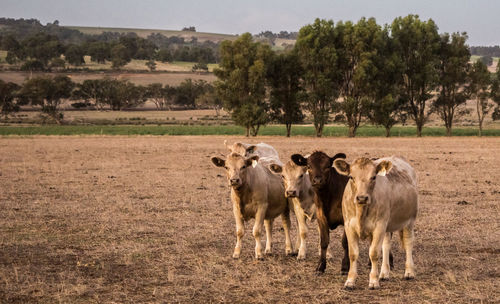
x,y
144,33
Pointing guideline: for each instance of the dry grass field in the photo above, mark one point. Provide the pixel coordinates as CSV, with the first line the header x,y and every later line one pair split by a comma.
x,y
172,79
95,219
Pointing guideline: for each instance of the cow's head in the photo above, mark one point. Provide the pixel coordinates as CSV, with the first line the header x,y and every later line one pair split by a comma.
x,y
293,177
241,148
363,173
236,168
318,166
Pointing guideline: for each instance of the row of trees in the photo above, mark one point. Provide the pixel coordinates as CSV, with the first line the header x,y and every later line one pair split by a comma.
x,y
358,71
49,92
42,51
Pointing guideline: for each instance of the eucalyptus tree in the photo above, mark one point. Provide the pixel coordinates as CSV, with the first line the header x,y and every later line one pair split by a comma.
x,y
317,55
480,89
417,44
453,71
284,79
357,51
241,83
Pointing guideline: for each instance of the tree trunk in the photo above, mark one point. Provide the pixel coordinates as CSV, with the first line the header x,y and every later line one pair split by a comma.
x,y
352,131
448,130
248,131
387,131
419,129
480,128
319,130
288,129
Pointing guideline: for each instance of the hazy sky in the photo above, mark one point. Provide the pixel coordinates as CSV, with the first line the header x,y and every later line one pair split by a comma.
x,y
479,18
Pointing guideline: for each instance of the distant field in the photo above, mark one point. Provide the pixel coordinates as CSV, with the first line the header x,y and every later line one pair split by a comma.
x,y
137,78
144,33
271,130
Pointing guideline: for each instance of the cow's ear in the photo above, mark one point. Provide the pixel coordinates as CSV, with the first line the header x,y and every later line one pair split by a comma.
x,y
252,161
275,168
229,147
299,160
383,167
218,162
342,167
251,149
338,155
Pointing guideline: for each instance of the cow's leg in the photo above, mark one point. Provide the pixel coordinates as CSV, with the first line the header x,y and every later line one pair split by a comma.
x,y
328,253
408,238
352,241
301,238
240,230
324,233
269,234
285,219
259,221
345,260
386,249
375,250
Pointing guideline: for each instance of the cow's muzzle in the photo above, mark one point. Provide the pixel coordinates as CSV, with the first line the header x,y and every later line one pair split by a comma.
x,y
291,193
362,199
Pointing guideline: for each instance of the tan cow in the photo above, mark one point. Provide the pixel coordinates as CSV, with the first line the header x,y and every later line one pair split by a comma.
x,y
380,198
255,193
299,190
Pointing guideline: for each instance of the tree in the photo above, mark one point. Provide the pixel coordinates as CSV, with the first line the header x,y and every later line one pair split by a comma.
x,y
495,94
417,44
161,96
8,97
57,63
210,99
200,66
284,79
91,90
74,55
487,60
48,93
42,47
99,51
356,52
187,92
317,56
453,70
119,56
241,84
385,110
164,55
479,88
151,64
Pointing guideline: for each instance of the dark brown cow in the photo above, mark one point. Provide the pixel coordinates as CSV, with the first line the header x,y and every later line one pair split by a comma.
x,y
328,188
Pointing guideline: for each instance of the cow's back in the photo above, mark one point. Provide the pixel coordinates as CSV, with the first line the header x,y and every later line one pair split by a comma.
x,y
398,192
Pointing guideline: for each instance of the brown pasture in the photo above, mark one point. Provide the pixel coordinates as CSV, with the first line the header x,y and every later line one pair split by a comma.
x,y
90,219
173,79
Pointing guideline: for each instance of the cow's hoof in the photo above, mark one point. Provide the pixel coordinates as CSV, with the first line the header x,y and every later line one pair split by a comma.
x,y
236,256
267,251
409,276
374,285
288,252
301,257
384,279
349,285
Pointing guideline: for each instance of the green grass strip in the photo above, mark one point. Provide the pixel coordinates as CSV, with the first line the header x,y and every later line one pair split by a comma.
x,y
279,130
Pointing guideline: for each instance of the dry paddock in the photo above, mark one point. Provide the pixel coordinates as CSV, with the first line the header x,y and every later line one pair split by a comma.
x,y
148,219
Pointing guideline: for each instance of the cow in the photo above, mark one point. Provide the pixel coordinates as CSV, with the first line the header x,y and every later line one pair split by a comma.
x,y
255,193
267,153
298,189
380,198
328,187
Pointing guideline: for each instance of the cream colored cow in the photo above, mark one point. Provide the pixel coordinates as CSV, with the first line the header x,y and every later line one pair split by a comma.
x,y
255,193
299,190
381,197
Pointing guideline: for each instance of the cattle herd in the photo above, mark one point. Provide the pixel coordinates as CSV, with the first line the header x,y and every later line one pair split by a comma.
x,y
371,198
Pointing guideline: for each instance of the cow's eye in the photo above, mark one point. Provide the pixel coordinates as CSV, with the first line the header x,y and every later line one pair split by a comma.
x,y
373,177
244,166
225,167
301,175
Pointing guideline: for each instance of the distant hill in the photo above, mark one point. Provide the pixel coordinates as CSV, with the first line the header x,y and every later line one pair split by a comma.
x,y
144,33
